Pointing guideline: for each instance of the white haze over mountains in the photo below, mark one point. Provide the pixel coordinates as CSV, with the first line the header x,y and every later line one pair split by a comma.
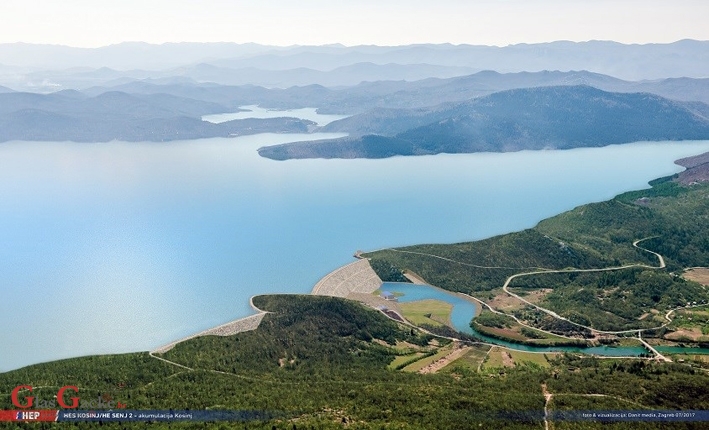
x,y
89,23
48,68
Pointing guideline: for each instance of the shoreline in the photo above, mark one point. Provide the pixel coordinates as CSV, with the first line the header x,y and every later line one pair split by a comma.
x,y
357,277
357,280
230,328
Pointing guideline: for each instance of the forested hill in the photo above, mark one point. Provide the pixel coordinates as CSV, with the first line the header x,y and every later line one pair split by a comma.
x,y
670,219
534,118
596,235
322,363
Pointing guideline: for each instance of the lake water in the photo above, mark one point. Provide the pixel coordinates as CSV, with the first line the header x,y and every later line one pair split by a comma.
x,y
253,111
464,310
116,247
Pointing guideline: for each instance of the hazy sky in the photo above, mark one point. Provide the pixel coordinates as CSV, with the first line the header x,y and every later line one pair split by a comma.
x,y
90,23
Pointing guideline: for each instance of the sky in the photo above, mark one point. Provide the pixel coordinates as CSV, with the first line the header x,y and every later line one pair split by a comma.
x,y
93,23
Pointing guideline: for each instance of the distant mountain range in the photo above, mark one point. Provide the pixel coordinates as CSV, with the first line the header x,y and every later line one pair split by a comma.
x,y
138,91
559,117
403,94
169,109
353,74
70,115
47,68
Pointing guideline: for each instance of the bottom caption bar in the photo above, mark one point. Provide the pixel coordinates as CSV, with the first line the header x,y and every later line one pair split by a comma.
x,y
176,416
130,415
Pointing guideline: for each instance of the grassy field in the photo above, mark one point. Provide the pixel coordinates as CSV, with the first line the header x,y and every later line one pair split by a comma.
x,y
497,358
420,364
500,357
506,328
509,333
401,359
629,341
521,357
470,361
690,325
404,347
430,312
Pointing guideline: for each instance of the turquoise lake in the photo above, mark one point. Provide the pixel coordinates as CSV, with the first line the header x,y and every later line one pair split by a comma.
x,y
252,111
116,247
464,310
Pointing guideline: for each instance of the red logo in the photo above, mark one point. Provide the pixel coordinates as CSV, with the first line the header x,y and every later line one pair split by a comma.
x,y
29,401
74,400
15,399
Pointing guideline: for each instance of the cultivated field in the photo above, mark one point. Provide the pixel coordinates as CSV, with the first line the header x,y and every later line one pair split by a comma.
x,y
499,357
699,274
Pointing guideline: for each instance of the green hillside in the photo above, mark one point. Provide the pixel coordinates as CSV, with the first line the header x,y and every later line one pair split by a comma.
x,y
670,218
315,362
321,362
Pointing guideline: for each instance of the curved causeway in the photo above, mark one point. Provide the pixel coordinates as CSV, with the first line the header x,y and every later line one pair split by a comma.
x,y
356,277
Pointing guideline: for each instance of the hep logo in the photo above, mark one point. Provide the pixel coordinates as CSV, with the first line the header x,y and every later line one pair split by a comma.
x,y
28,416
29,400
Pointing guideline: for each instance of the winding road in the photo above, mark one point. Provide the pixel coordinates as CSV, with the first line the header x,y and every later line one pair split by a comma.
x,y
662,265
539,271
